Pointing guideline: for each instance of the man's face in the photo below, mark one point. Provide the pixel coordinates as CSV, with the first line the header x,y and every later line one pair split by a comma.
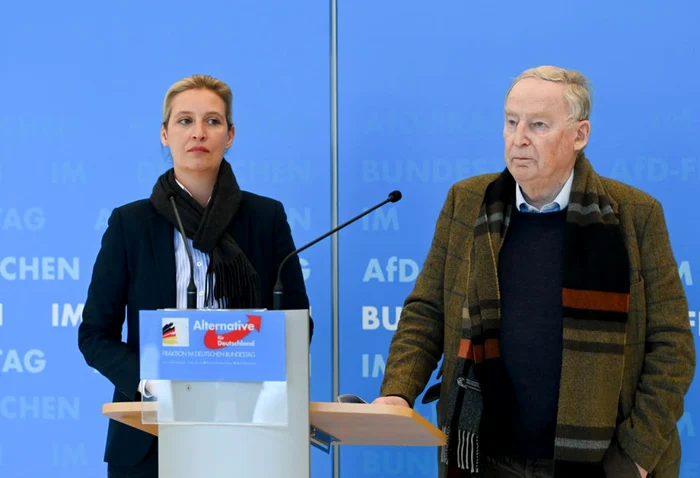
x,y
541,142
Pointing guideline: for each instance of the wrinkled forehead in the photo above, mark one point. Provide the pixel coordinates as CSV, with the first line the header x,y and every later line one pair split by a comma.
x,y
532,96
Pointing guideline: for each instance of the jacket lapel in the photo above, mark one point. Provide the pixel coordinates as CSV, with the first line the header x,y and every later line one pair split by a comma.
x,y
161,237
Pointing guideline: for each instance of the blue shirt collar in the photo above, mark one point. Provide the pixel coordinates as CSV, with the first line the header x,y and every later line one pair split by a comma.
x,y
559,203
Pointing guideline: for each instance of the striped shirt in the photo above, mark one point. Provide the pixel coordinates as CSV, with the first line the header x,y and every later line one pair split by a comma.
x,y
182,272
200,261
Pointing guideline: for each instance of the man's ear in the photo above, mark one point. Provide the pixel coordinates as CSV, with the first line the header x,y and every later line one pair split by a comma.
x,y
582,132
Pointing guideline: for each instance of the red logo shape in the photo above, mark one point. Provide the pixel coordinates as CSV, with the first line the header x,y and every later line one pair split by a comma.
x,y
211,337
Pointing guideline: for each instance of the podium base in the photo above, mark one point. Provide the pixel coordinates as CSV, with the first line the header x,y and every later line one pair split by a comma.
x,y
223,451
239,429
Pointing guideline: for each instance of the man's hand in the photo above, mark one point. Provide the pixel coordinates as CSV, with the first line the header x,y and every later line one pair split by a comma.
x,y
642,471
392,401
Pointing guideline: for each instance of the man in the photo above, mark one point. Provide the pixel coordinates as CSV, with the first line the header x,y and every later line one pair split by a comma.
x,y
554,296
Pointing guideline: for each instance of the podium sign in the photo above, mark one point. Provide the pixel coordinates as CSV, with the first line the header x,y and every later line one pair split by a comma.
x,y
221,385
212,345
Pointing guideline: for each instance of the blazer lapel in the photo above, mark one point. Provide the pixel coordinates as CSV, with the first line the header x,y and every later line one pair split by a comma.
x,y
161,236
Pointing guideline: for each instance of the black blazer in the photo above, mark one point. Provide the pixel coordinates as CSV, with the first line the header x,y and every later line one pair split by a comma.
x,y
135,268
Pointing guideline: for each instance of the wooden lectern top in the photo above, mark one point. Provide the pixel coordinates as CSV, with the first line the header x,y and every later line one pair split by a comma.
x,y
367,424
348,423
129,413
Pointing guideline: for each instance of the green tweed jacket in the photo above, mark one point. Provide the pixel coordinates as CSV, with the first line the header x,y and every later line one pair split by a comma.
x,y
659,358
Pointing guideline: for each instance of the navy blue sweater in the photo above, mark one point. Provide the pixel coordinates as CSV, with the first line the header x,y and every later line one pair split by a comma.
x,y
530,272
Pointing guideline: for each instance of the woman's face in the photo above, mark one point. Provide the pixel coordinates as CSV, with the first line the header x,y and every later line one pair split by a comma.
x,y
197,133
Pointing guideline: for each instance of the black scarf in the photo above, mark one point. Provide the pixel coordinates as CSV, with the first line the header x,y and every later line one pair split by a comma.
x,y
231,279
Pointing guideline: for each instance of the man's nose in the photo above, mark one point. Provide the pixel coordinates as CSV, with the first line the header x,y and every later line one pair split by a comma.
x,y
521,134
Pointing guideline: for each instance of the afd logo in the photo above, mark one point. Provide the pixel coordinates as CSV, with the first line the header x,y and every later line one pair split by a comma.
x,y
30,219
65,315
31,361
225,335
372,320
394,270
39,268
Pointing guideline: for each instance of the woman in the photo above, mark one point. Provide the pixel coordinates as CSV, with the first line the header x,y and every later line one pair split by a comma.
x,y
237,239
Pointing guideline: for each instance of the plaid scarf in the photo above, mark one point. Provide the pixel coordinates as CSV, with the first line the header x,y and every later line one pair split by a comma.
x,y
595,297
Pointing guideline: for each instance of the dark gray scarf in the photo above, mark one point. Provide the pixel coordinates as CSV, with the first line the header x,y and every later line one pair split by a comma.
x,y
231,279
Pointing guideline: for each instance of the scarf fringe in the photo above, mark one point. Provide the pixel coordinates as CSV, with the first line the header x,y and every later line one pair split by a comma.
x,y
233,285
466,450
232,281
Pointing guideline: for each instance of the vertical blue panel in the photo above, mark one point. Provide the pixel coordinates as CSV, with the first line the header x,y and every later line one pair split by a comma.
x,y
404,118
421,95
82,87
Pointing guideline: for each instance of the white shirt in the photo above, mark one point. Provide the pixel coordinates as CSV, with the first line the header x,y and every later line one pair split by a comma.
x,y
559,203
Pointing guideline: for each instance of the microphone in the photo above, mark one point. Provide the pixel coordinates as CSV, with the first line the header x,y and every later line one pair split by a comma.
x,y
278,292
191,288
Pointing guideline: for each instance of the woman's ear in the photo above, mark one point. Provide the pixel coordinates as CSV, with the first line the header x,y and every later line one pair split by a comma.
x,y
164,136
231,134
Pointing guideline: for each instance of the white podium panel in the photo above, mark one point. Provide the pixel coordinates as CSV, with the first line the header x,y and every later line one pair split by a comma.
x,y
237,429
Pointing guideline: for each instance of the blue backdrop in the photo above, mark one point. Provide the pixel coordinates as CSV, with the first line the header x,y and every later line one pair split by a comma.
x,y
420,95
421,91
82,87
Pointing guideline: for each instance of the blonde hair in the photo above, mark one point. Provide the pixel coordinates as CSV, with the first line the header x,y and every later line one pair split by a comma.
x,y
577,90
199,82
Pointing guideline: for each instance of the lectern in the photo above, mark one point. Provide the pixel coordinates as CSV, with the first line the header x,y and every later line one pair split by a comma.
x,y
231,397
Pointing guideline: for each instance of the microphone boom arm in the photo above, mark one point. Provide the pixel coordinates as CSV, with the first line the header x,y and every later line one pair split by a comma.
x,y
278,290
191,287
